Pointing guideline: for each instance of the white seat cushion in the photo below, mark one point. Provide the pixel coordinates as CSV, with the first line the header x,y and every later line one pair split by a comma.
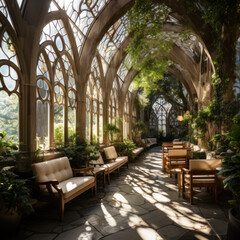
x,y
73,185
112,165
122,160
138,150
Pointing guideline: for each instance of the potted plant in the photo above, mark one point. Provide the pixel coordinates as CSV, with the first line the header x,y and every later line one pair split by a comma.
x,y
14,199
231,169
111,130
138,128
79,155
6,146
125,148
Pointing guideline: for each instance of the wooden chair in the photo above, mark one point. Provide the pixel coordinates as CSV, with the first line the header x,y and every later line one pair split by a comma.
x,y
165,146
178,143
201,173
176,160
178,146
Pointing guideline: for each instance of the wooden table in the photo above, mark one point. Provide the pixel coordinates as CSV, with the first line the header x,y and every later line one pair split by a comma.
x,y
98,172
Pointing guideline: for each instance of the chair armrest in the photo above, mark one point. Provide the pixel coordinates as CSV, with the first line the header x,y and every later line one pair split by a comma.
x,y
84,170
53,183
96,164
185,170
110,159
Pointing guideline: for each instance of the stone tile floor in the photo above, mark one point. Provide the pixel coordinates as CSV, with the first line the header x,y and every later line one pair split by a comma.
x,y
143,203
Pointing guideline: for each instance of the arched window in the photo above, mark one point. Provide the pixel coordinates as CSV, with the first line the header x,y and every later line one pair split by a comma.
x,y
94,105
10,80
126,117
161,109
56,88
81,14
113,104
173,123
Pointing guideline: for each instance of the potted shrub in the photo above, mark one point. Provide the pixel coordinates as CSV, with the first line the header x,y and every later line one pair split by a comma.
x,y
231,169
139,128
125,148
111,130
79,155
14,200
6,146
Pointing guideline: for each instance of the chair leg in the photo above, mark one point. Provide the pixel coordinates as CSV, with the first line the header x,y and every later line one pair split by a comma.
x,y
92,191
104,179
108,179
216,194
191,195
61,208
191,191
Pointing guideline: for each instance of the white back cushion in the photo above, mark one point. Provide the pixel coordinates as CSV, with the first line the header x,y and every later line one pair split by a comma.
x,y
110,152
57,169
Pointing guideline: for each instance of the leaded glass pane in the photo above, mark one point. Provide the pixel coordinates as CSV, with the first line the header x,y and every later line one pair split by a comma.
x,y
10,77
58,125
7,50
42,125
59,95
71,125
9,118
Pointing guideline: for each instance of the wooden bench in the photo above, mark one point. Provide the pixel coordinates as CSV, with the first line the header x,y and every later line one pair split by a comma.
x,y
149,142
138,151
114,162
58,181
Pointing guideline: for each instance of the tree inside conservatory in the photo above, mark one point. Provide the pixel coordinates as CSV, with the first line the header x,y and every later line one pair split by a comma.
x,y
151,51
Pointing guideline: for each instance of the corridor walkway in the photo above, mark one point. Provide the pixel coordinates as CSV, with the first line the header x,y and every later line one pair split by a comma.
x,y
142,203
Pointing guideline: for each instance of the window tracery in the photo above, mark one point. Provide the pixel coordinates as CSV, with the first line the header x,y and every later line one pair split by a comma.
x,y
94,105
126,116
81,14
10,80
56,87
161,108
5,12
112,40
124,69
